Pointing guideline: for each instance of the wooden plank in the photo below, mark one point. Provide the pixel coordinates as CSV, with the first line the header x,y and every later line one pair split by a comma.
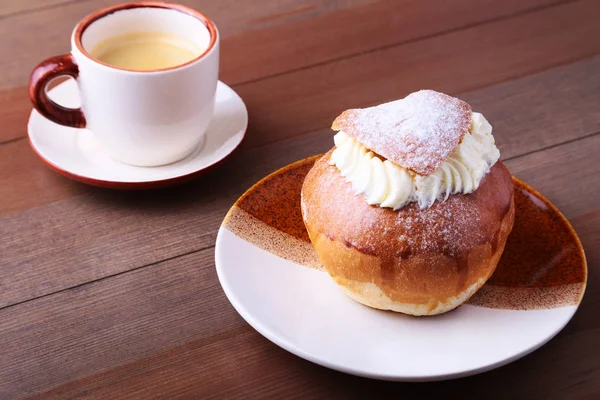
x,y
10,8
25,178
54,26
125,318
456,62
172,330
15,108
278,48
96,233
564,368
543,109
243,366
107,232
261,53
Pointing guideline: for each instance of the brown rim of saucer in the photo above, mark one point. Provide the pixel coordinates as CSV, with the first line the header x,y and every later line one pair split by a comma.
x,y
87,21
143,185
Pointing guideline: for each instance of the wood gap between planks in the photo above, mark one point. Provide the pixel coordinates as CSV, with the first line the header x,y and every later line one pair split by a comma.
x,y
109,276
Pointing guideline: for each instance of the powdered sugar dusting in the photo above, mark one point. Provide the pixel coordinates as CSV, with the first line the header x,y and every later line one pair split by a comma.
x,y
418,132
446,228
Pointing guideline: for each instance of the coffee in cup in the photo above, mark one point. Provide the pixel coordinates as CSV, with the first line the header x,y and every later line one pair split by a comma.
x,y
146,51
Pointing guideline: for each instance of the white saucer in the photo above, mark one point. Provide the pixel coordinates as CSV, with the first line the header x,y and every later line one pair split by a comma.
x,y
76,153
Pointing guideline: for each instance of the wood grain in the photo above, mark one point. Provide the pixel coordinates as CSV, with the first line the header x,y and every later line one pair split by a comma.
x,y
158,307
10,8
297,45
108,294
278,48
15,108
96,233
179,302
105,232
31,37
452,63
256,368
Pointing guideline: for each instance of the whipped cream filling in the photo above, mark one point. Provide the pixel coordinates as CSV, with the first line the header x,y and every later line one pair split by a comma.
x,y
387,184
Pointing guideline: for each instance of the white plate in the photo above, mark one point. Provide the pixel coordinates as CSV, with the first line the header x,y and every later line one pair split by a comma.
x,y
77,154
303,311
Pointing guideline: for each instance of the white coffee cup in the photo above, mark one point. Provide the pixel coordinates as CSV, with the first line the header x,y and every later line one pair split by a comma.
x,y
144,118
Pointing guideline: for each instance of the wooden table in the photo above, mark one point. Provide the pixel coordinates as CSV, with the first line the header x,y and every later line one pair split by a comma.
x,y
109,294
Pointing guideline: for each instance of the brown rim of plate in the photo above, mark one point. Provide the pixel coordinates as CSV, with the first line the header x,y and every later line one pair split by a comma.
x,y
87,21
281,170
566,223
577,291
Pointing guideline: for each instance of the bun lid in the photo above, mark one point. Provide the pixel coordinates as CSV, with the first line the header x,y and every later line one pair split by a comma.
x,y
418,132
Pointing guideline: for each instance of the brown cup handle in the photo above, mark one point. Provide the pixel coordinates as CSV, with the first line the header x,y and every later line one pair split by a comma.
x,y
40,77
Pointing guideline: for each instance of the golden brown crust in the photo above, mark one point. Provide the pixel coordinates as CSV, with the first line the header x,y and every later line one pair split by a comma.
x,y
418,132
412,255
